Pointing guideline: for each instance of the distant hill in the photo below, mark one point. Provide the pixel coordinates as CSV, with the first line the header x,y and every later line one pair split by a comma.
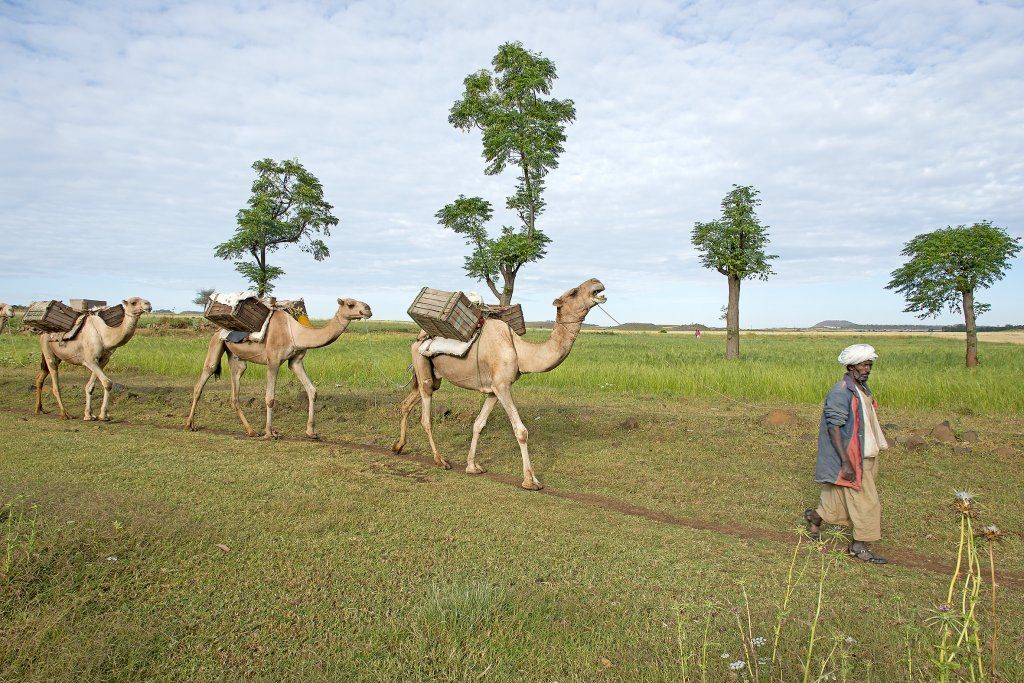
x,y
847,325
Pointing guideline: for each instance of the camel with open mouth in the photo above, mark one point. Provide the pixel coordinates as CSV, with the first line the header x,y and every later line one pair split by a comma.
x,y
493,363
91,348
286,341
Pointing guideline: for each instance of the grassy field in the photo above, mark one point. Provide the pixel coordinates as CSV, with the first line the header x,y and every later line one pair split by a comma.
x,y
136,550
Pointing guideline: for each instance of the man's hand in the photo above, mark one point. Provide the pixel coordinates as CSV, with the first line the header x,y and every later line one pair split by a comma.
x,y
847,473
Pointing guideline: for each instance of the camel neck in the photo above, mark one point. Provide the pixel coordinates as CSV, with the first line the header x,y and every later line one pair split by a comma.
x,y
549,354
114,337
315,337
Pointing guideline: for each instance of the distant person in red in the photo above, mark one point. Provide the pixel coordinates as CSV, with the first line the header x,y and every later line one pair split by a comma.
x,y
696,332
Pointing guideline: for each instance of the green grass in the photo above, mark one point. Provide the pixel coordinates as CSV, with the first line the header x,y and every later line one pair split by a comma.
x,y
349,563
913,372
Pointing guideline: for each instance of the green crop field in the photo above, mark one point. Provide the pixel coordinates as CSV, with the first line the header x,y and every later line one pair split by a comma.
x,y
662,547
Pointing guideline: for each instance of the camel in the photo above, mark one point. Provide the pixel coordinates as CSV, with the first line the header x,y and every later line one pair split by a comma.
x,y
91,348
286,340
6,313
493,363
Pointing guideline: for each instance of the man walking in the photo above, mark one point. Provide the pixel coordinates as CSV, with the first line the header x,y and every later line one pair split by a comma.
x,y
849,441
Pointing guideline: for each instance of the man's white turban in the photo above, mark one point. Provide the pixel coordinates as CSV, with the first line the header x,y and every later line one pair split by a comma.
x,y
858,353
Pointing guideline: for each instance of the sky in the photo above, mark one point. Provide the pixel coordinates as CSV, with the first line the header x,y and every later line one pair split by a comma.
x,y
128,132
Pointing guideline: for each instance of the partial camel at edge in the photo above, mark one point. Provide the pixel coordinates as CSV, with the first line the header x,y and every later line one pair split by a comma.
x,y
493,363
92,349
6,313
285,341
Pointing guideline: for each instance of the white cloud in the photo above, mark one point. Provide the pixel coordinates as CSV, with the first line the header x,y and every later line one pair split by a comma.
x,y
128,133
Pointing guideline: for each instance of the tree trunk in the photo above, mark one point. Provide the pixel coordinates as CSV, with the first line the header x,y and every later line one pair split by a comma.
x,y
732,319
972,330
506,289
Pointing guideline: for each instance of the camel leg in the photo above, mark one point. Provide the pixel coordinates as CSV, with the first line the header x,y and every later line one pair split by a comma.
x,y
481,421
272,370
211,366
55,385
300,371
522,434
105,382
88,397
426,389
40,380
238,367
407,405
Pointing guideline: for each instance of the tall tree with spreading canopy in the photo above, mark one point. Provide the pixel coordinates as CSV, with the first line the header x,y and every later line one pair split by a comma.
x,y
947,266
287,206
520,129
202,296
734,245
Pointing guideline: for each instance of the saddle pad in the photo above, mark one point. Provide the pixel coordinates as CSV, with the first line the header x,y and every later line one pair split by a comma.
x,y
436,346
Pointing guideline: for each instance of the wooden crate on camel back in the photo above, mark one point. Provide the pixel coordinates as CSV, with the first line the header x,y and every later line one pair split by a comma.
x,y
50,316
445,314
237,312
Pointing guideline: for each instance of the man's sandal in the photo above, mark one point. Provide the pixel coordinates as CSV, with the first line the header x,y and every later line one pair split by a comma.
x,y
866,555
809,515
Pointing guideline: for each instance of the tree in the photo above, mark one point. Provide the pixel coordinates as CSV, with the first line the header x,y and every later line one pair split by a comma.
x,y
203,297
947,266
287,206
734,245
520,129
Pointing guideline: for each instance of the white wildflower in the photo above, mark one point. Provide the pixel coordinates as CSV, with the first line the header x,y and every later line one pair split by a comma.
x,y
111,558
737,665
759,641
849,640
726,655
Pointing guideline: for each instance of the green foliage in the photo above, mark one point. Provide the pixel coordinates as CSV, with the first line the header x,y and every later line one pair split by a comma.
x,y
520,129
734,245
945,264
287,206
202,297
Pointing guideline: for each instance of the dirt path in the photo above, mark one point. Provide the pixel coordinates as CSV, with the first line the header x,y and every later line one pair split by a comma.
x,y
900,557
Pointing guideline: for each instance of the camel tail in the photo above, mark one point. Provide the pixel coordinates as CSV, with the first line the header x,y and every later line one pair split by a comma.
x,y
216,368
42,362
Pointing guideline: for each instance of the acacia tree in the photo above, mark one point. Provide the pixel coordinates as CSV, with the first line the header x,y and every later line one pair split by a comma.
x,y
520,129
947,266
202,296
734,245
286,206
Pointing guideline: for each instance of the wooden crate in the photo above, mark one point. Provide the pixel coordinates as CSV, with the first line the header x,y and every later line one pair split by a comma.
x,y
50,316
113,316
512,315
248,315
86,304
445,314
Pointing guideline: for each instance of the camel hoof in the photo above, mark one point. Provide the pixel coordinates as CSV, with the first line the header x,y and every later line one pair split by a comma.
x,y
65,416
476,469
397,447
189,427
104,418
88,418
442,463
533,485
313,437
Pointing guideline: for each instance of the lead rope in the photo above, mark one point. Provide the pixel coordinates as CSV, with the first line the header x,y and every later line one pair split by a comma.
x,y
376,360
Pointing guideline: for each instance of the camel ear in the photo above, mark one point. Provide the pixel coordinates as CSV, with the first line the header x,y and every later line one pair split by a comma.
x,y
557,303
341,301
124,301
574,292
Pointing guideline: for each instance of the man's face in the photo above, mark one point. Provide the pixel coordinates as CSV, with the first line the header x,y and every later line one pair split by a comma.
x,y
860,371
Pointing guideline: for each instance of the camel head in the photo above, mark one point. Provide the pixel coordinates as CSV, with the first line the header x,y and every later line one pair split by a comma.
x,y
6,311
351,309
578,301
136,306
